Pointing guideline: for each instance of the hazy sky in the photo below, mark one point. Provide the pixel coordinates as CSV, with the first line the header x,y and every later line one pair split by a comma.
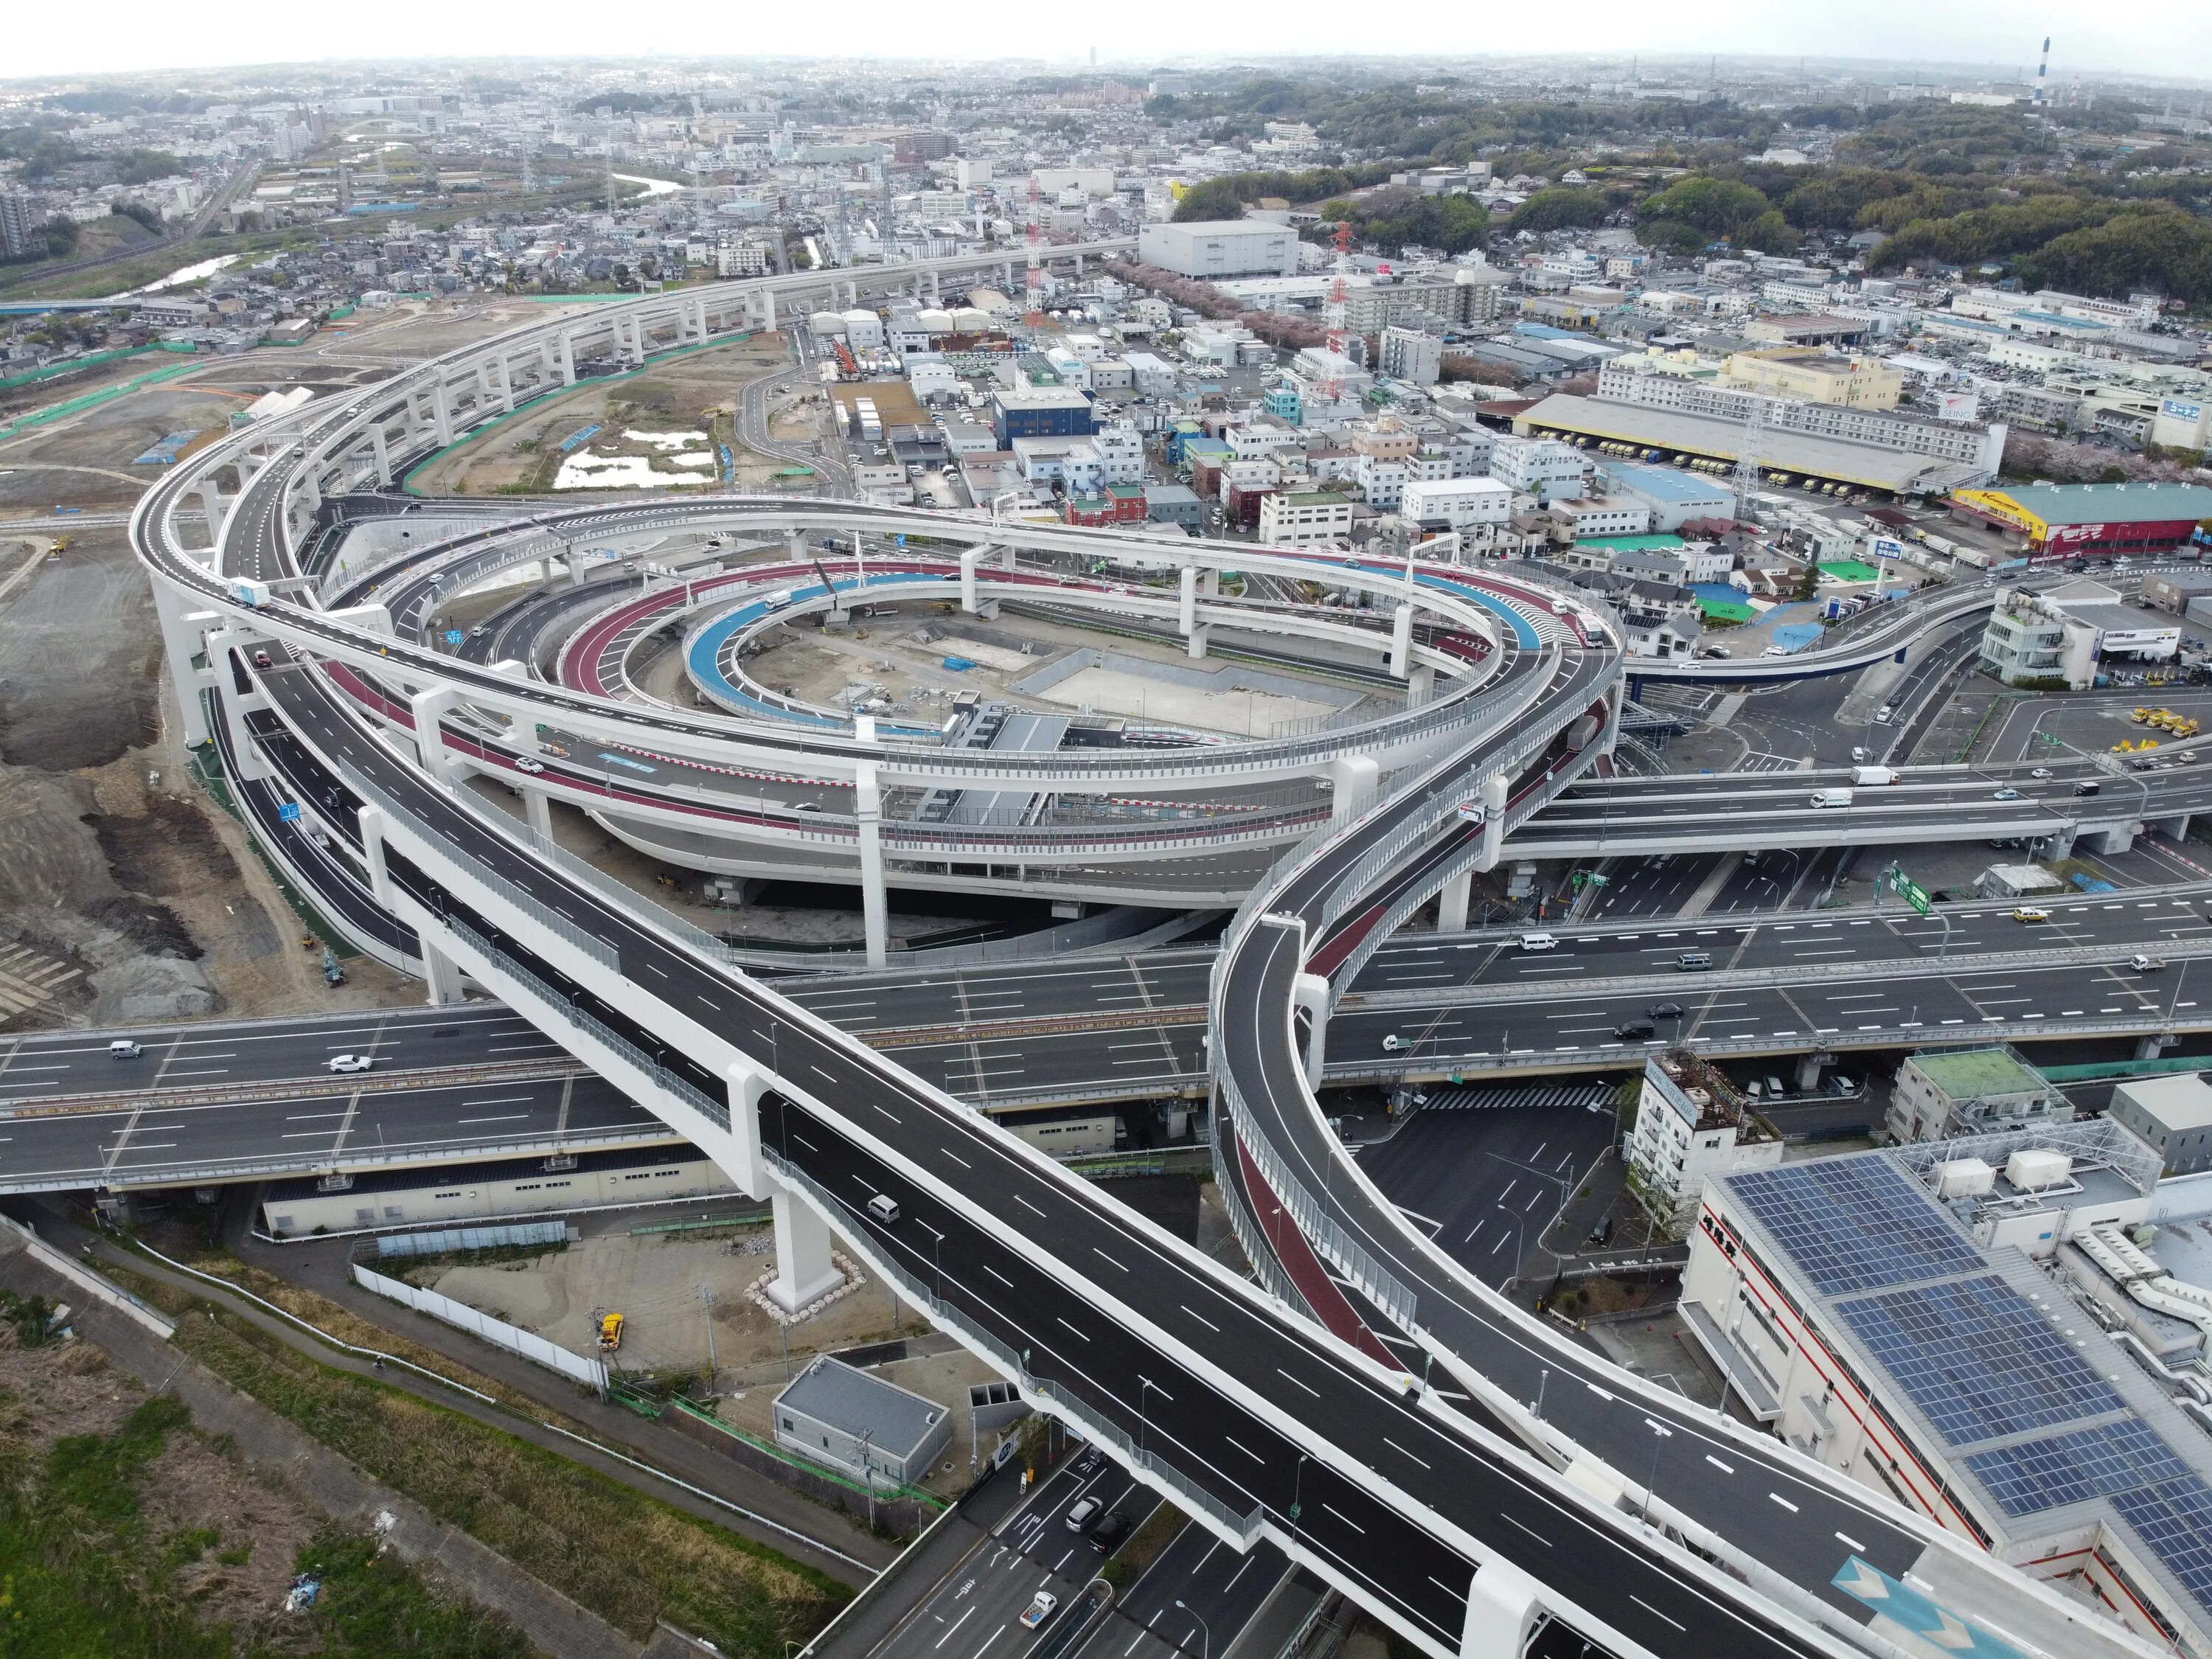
x,y
2163,37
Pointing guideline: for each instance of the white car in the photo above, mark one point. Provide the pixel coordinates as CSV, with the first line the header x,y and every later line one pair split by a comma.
x,y
526,764
2040,772
351,1062
1040,1610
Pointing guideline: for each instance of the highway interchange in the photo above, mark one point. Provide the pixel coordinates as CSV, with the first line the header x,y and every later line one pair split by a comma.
x,y
1199,1383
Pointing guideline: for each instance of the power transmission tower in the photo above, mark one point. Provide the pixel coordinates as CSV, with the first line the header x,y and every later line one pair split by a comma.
x,y
1746,479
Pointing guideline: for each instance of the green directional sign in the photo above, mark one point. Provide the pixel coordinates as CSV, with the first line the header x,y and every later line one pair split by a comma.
x,y
1912,891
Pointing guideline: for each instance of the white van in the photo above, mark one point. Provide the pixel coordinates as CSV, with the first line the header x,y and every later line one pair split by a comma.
x,y
125,1048
884,1209
1832,798
1539,942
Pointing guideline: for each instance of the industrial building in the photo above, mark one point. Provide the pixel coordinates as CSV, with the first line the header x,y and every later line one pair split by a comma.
x,y
1884,1312
2068,521
443,1194
1460,504
1675,497
2060,635
2173,1116
1220,248
1038,412
874,1430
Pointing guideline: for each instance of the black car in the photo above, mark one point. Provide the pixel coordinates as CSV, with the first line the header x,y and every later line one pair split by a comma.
x,y
1106,1535
1664,1011
1087,1464
2087,788
1634,1030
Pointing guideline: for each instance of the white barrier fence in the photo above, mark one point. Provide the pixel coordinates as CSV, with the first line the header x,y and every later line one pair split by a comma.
x,y
592,1372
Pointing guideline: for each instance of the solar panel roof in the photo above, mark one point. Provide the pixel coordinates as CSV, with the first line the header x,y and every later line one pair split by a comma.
x,y
1853,1223
1977,1358
2174,1518
2066,1468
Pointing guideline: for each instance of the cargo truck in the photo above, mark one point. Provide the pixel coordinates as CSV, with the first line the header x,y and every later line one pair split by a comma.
x,y
1868,774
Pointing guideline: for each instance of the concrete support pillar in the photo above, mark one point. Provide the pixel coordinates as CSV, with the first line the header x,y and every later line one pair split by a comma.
x,y
1209,583
867,808
1187,617
766,308
441,414
794,545
182,632
2151,1048
2059,844
967,563
371,855
1501,1610
1420,684
1007,557
1401,641
1809,1072
483,385
699,317
537,807
936,290
575,568
380,446
1493,820
2116,840
2173,828
236,704
1310,993
213,508
1451,903
1201,636
503,378
311,489
441,975
568,358
804,1271
429,709
1353,777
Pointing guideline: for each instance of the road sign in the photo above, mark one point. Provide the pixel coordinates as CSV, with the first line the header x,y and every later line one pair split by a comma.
x,y
1912,893
454,636
288,812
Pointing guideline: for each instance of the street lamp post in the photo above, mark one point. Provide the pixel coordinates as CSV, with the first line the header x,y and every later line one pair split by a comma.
x,y
1661,1434
1205,1647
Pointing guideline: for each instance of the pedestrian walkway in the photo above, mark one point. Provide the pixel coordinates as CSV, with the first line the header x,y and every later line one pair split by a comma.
x,y
1524,1096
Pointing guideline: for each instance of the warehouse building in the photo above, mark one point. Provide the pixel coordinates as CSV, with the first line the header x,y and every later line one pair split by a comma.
x,y
1884,1312
1221,247
2173,1116
2071,521
1675,497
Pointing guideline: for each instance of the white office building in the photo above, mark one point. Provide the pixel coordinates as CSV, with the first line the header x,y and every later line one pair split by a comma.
x,y
1542,467
1691,1126
1311,518
1460,504
1411,356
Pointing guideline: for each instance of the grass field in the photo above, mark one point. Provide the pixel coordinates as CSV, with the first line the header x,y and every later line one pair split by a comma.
x,y
627,1557
85,1573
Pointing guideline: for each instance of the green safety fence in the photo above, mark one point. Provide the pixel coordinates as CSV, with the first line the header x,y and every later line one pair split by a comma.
x,y
753,1218
2127,1068
407,483
39,417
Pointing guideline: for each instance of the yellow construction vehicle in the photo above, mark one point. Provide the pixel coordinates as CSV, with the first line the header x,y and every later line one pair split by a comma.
x,y
610,1330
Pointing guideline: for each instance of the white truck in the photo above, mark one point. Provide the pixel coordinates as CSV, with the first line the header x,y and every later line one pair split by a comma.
x,y
1869,775
1832,798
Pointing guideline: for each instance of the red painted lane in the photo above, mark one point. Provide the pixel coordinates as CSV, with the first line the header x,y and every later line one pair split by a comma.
x,y
1321,1293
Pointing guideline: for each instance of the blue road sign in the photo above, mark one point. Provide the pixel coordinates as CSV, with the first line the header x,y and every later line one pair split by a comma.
x,y
290,811
454,636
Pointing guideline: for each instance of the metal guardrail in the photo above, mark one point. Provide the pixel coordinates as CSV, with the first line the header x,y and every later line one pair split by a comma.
x,y
1735,979
1385,1289
318,1085
715,1112
589,944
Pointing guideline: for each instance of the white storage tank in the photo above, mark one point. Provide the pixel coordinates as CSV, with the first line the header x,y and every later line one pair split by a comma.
x,y
1964,1177
2031,1169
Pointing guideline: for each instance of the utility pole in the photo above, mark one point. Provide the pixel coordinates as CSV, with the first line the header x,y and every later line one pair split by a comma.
x,y
707,1304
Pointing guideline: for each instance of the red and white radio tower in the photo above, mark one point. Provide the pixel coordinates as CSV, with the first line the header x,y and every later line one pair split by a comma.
x,y
1035,298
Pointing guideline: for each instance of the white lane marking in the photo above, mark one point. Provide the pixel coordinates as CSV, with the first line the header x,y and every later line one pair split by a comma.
x,y
1725,1468
1308,1386
1655,1613
1852,1541
1784,1502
